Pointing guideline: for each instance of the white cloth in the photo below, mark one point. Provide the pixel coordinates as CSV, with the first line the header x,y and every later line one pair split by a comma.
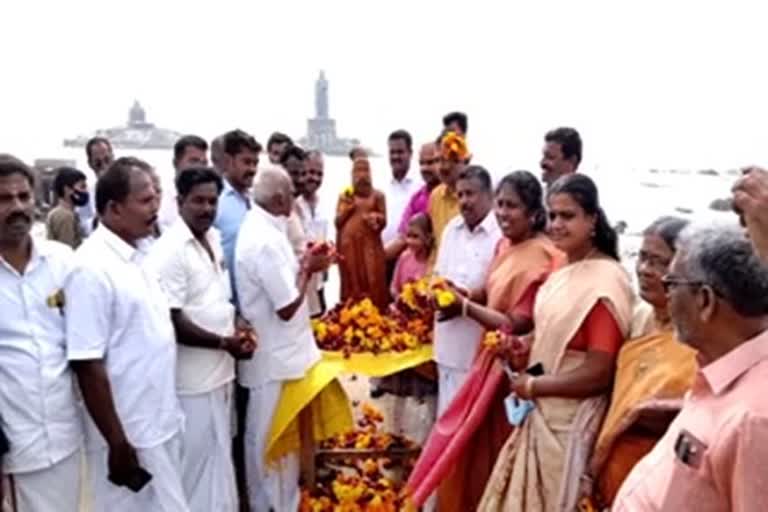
x,y
200,287
38,410
87,212
276,484
449,381
54,488
168,213
164,493
398,193
207,472
117,312
266,269
464,258
315,229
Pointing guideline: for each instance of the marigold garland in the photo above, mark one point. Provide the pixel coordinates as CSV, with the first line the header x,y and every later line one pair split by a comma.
x,y
454,147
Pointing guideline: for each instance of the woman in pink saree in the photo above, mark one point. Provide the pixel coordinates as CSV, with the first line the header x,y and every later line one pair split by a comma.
x,y
461,450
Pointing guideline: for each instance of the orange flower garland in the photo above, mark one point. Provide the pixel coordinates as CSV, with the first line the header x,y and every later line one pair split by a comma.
x,y
364,486
454,147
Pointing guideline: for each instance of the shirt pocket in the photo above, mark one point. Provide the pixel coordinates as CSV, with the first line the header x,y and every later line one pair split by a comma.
x,y
688,488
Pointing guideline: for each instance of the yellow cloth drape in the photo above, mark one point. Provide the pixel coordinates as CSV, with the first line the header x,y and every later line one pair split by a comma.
x,y
331,411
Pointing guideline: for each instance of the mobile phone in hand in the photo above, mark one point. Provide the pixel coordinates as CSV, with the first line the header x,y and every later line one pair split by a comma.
x,y
138,479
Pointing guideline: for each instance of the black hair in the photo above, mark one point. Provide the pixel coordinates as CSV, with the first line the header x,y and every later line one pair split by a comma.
x,y
193,176
66,177
402,135
92,142
10,165
115,183
423,221
480,174
569,140
459,118
528,189
293,151
236,141
186,141
668,228
584,191
278,138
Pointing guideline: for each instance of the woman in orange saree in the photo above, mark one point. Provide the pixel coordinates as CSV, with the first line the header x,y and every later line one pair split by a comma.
x,y
582,315
462,447
653,372
360,218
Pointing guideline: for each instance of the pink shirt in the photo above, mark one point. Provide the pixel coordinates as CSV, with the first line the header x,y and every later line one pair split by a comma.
x,y
408,268
417,204
724,425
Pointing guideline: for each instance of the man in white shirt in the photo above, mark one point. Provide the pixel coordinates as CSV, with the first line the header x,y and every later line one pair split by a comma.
x,y
398,189
190,263
38,411
121,345
100,156
272,285
189,150
465,254
315,222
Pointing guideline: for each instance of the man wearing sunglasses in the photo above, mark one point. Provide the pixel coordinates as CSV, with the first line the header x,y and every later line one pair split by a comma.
x,y
713,454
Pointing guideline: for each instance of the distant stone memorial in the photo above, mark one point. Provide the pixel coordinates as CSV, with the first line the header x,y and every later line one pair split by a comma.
x,y
321,129
138,133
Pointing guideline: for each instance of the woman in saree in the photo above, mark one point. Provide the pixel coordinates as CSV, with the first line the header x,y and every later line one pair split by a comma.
x,y
461,450
360,218
653,371
582,315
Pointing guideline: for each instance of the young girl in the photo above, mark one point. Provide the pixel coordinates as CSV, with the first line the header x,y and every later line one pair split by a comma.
x,y
413,263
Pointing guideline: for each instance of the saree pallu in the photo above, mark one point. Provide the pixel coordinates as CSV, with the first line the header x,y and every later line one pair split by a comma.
x,y
557,436
461,450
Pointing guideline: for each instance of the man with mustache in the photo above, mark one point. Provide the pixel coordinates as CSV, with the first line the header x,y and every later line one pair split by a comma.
x,y
443,202
465,253
240,160
98,151
189,260
561,154
121,345
39,413
315,222
398,190
189,150
63,223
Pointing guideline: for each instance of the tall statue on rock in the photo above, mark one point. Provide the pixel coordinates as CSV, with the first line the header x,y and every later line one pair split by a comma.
x,y
321,97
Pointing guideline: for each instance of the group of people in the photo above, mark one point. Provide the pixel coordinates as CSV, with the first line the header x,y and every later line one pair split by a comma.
x,y
147,340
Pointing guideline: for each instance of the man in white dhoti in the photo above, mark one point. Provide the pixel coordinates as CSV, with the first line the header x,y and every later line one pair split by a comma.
x,y
121,345
190,263
466,251
272,285
38,411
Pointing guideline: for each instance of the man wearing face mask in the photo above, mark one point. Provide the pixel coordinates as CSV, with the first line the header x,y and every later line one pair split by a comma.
x,y
63,222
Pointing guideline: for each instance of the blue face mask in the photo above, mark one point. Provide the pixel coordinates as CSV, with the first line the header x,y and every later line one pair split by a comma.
x,y
517,410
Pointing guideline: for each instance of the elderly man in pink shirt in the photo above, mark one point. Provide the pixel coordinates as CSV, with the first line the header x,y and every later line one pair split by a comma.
x,y
715,454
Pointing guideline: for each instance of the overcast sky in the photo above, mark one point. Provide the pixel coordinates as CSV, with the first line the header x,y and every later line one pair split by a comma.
x,y
652,82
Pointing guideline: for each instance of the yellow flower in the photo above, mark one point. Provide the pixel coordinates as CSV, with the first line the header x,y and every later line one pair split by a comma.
x,y
445,298
453,146
348,191
491,339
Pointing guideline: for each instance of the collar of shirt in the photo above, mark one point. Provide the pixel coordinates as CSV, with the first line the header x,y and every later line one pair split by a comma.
x,y
486,225
720,374
406,181
123,249
181,232
41,249
278,222
229,190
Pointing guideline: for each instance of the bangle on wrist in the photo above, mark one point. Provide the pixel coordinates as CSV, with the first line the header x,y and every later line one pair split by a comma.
x,y
529,387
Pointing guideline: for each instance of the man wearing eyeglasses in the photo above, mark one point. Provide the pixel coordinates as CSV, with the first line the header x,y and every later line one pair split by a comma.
x,y
712,457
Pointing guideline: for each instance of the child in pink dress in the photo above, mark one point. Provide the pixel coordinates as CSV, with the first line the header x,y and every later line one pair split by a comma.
x,y
413,263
